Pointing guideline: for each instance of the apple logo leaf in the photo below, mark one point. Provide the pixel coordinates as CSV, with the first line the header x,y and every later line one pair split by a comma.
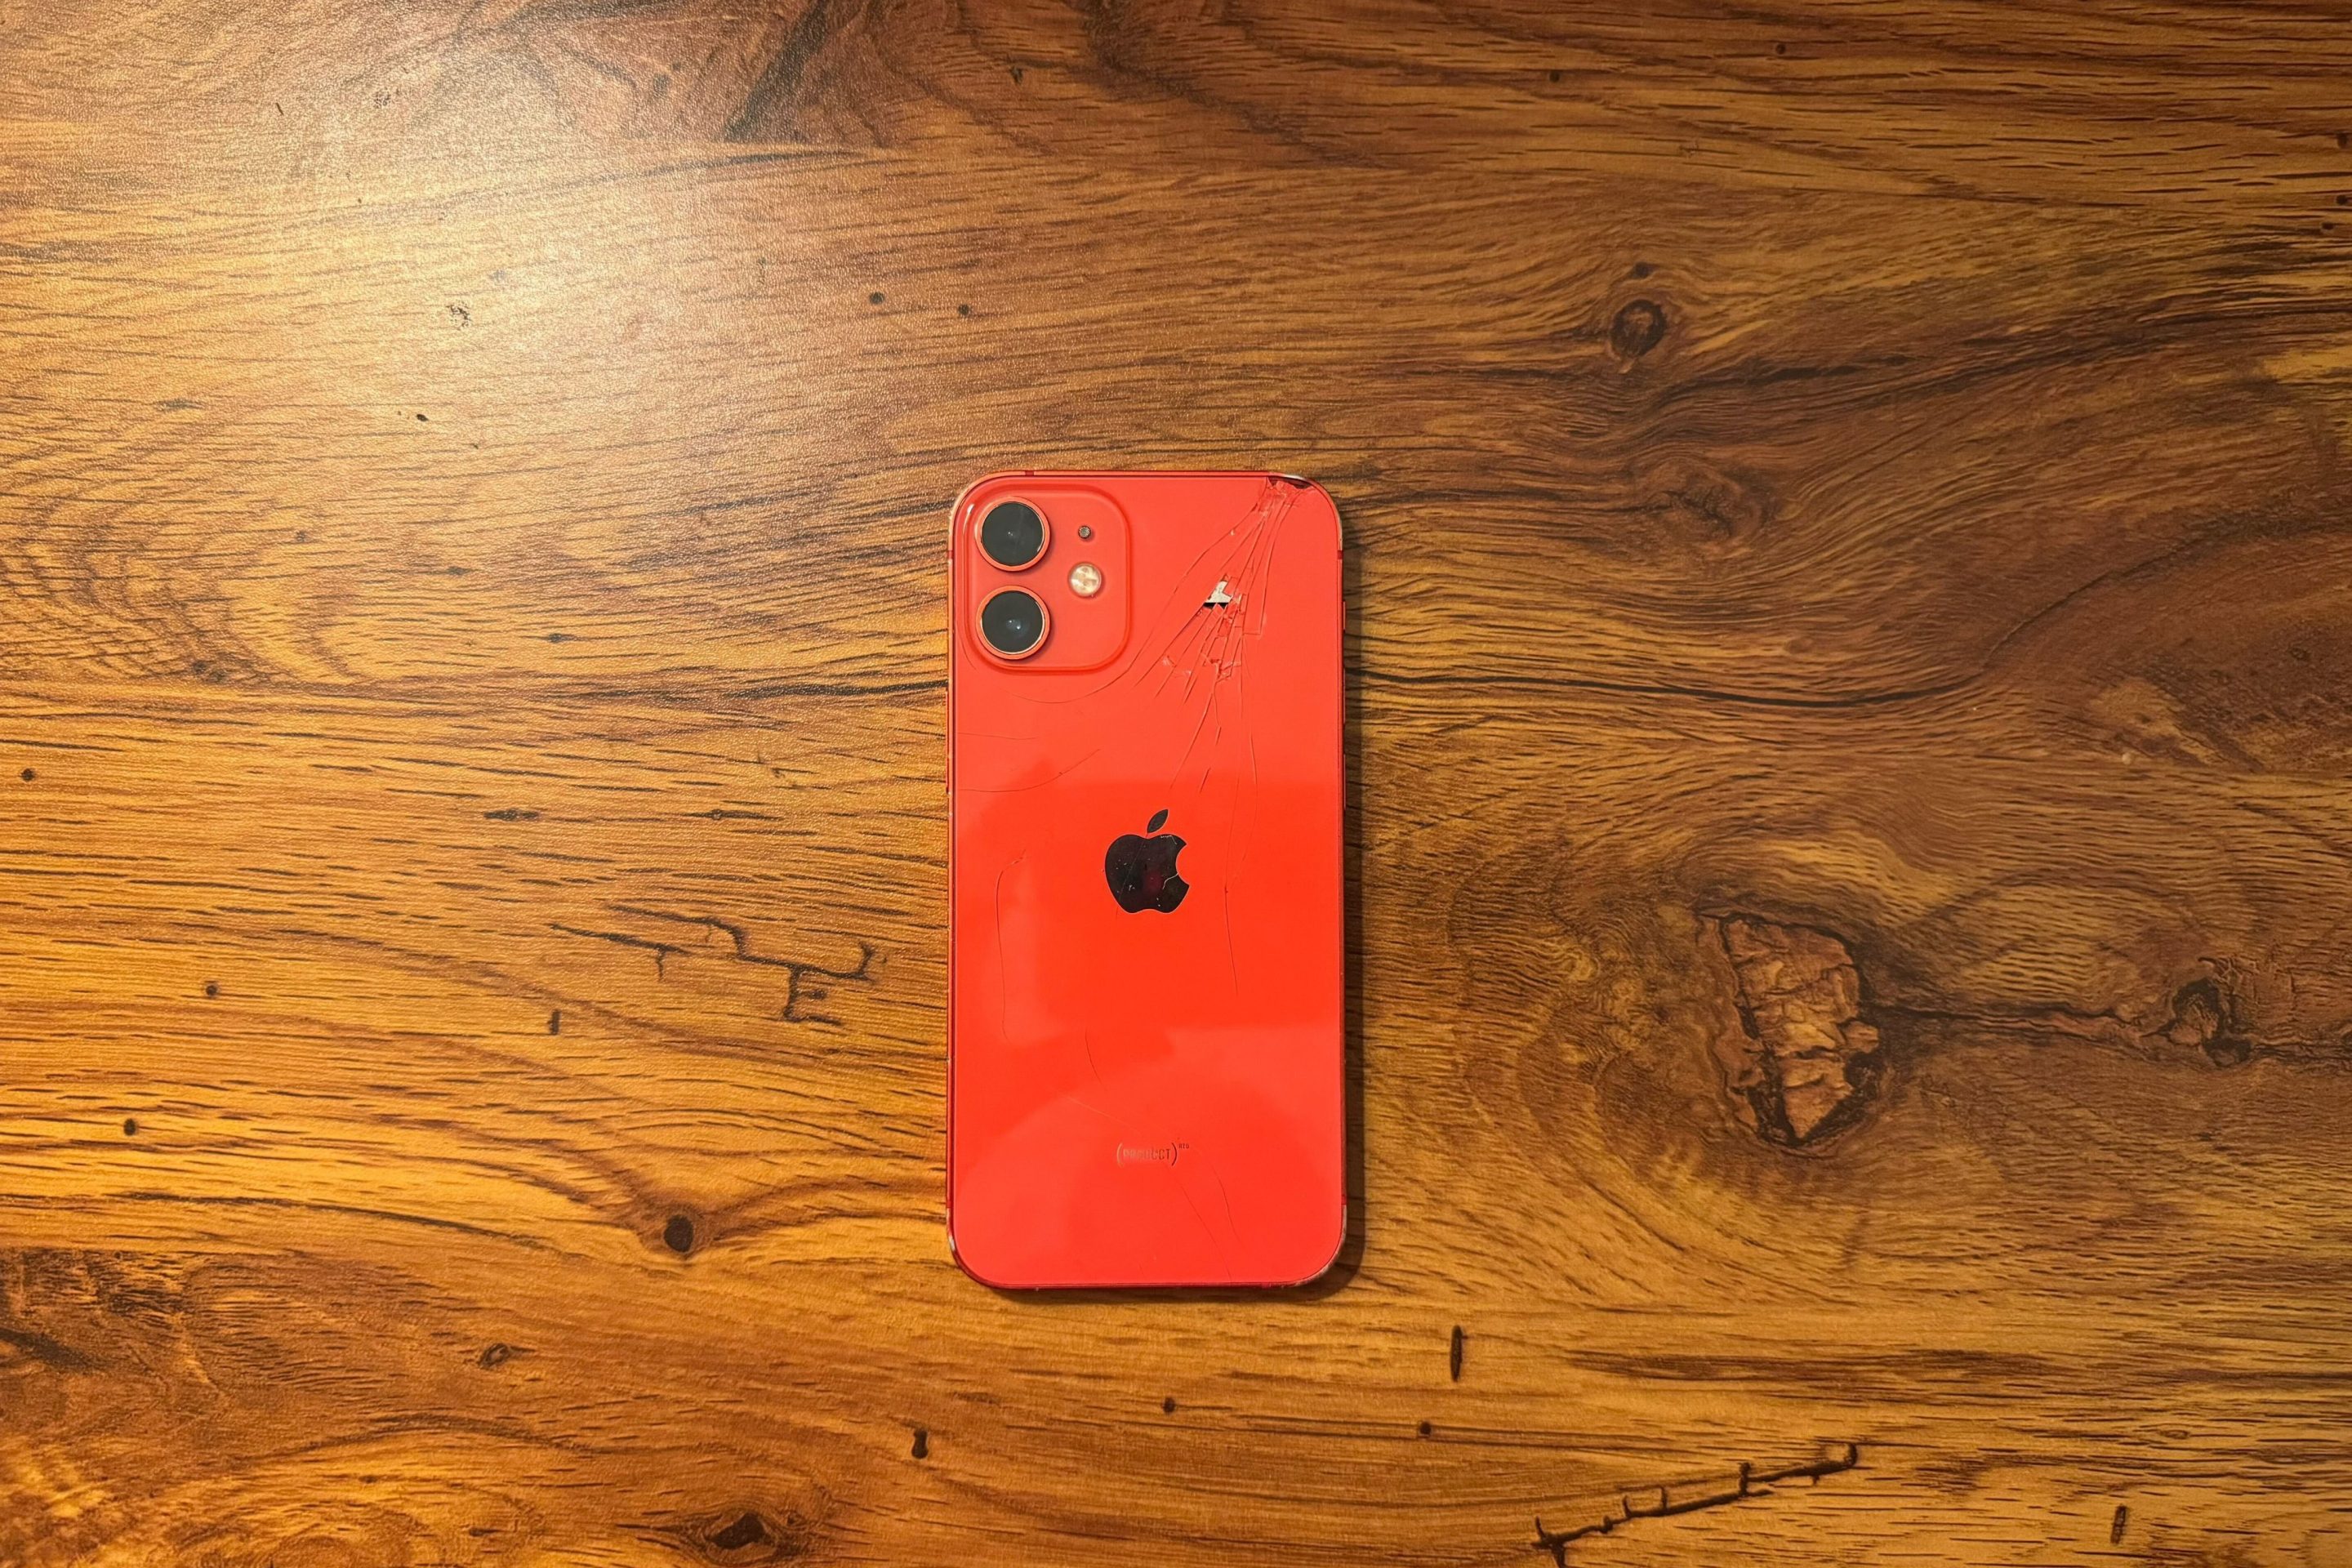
x,y
1159,819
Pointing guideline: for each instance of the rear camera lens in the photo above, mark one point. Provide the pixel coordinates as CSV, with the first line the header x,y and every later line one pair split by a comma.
x,y
1014,623
1012,536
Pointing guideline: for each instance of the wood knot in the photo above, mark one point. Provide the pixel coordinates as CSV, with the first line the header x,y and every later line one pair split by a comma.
x,y
1700,505
678,1235
1804,1061
748,1530
1638,328
743,1536
2204,1018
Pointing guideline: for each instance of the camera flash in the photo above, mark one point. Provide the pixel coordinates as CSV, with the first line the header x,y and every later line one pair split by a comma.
x,y
1085,579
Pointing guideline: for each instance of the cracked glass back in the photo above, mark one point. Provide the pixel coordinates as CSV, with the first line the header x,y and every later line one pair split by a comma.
x,y
1146,992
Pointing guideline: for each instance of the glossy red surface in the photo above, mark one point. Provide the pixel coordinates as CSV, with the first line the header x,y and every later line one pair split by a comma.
x,y
1154,1096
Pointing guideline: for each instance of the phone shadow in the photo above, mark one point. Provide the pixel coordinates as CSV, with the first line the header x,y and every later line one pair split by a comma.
x,y
1348,1260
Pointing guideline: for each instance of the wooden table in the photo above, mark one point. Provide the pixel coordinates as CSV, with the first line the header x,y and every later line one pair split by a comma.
x,y
1851,707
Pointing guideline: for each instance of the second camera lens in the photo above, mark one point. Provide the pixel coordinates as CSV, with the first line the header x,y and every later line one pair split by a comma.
x,y
1012,534
1014,623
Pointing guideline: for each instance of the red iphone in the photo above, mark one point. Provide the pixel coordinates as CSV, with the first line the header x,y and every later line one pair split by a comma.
x,y
1146,1009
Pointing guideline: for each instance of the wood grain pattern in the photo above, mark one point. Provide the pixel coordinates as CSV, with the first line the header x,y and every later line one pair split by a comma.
x,y
1853,629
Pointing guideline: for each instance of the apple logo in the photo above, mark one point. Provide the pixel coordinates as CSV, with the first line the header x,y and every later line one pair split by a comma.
x,y
1142,870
